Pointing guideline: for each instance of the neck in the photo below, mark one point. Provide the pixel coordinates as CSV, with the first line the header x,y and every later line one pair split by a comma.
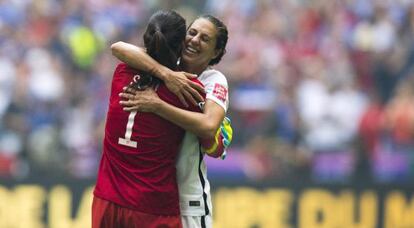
x,y
193,69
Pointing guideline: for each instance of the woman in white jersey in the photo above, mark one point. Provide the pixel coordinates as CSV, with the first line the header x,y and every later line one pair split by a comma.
x,y
205,44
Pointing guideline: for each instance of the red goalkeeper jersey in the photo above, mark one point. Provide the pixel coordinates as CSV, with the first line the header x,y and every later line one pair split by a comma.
x,y
137,168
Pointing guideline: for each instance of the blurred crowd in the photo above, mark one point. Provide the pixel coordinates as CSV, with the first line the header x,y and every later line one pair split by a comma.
x,y
319,89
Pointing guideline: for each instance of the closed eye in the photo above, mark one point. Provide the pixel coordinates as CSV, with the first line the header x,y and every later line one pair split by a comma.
x,y
192,32
205,38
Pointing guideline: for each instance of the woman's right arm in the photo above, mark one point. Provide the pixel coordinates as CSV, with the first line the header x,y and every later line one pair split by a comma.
x,y
177,82
137,57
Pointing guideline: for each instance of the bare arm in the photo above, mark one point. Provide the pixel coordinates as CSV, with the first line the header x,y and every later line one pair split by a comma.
x,y
138,58
176,82
204,125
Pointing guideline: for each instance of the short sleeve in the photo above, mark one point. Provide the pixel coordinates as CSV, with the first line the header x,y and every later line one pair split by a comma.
x,y
216,87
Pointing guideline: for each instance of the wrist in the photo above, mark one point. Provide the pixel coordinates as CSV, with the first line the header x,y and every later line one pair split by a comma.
x,y
161,73
158,106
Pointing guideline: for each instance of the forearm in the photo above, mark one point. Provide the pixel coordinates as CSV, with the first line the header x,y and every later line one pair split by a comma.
x,y
204,125
137,57
199,124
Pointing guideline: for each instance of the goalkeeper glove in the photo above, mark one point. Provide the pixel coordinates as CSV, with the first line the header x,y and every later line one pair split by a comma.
x,y
222,140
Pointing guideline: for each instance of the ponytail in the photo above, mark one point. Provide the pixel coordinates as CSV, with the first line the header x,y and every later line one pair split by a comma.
x,y
158,48
163,40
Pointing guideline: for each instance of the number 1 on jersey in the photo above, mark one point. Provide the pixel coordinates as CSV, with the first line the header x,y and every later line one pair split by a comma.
x,y
127,140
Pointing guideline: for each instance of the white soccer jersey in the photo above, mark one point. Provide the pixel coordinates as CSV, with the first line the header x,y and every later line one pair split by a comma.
x,y
194,188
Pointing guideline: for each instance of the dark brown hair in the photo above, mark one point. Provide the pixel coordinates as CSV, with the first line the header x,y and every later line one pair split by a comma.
x,y
164,37
221,39
163,40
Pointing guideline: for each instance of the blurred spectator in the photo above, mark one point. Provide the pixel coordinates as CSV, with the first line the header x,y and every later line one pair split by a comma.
x,y
310,81
7,84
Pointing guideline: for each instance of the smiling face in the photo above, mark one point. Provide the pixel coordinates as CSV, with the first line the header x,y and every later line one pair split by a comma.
x,y
200,46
